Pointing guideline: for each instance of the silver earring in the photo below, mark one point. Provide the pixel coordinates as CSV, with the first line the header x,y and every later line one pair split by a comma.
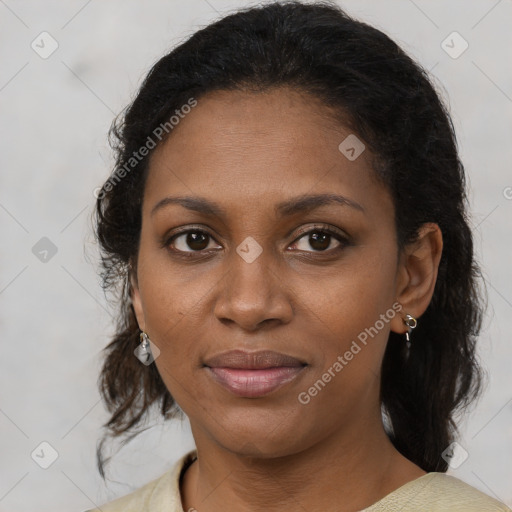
x,y
145,349
411,323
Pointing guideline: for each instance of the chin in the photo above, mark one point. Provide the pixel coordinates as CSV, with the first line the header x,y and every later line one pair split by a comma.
x,y
258,444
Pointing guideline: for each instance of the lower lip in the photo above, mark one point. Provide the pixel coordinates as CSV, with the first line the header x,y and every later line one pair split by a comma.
x,y
254,383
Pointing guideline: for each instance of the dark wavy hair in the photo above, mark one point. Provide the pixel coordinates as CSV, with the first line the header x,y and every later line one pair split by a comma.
x,y
387,99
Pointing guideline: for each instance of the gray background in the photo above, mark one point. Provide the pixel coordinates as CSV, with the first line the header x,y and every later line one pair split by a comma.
x,y
54,318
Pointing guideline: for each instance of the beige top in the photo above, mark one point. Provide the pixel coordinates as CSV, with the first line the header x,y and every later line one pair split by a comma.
x,y
432,492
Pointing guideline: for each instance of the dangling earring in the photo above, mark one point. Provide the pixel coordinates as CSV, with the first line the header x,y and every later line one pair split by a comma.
x,y
144,342
143,351
411,323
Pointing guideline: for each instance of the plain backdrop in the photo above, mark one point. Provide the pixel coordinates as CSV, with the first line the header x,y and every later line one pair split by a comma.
x,y
55,113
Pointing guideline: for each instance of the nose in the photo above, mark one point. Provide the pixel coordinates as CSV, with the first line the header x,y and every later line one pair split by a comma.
x,y
253,294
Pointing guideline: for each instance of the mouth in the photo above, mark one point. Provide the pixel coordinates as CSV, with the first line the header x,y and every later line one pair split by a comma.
x,y
255,374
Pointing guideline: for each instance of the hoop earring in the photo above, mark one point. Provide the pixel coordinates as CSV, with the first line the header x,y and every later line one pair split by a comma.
x,y
411,323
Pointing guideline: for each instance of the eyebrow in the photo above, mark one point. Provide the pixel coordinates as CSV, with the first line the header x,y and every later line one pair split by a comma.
x,y
301,204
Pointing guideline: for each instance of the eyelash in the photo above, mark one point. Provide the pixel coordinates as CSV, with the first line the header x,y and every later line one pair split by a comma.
x,y
317,228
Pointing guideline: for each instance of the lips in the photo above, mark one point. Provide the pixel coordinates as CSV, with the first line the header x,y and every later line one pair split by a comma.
x,y
253,374
252,360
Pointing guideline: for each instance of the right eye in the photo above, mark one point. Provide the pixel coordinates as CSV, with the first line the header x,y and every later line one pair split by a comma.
x,y
190,241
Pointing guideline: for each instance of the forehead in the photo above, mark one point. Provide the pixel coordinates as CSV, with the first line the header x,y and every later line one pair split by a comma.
x,y
239,146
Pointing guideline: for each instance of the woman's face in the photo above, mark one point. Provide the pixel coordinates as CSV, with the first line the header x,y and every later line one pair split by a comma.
x,y
252,276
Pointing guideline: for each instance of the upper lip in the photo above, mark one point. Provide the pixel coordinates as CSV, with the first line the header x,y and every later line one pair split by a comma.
x,y
252,360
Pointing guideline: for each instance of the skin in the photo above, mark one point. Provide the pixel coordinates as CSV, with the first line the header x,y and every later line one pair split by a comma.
x,y
247,152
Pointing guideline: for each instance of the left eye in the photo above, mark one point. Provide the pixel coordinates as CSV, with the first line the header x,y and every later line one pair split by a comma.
x,y
320,239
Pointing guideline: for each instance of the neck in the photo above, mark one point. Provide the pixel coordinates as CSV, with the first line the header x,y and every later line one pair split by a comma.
x,y
353,471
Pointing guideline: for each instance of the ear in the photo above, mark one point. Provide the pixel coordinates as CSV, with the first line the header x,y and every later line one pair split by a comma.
x,y
417,274
136,300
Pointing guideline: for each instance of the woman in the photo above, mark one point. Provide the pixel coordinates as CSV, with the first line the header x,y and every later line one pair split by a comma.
x,y
287,217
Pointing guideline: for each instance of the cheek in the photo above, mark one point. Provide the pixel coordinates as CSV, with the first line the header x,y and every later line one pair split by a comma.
x,y
174,314
355,294
177,310
348,353
170,292
353,311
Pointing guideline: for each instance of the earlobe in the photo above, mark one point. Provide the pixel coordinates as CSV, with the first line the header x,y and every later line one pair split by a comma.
x,y
417,274
136,301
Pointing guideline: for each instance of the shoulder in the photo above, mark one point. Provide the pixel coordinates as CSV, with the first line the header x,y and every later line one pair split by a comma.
x,y
438,492
141,498
162,493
